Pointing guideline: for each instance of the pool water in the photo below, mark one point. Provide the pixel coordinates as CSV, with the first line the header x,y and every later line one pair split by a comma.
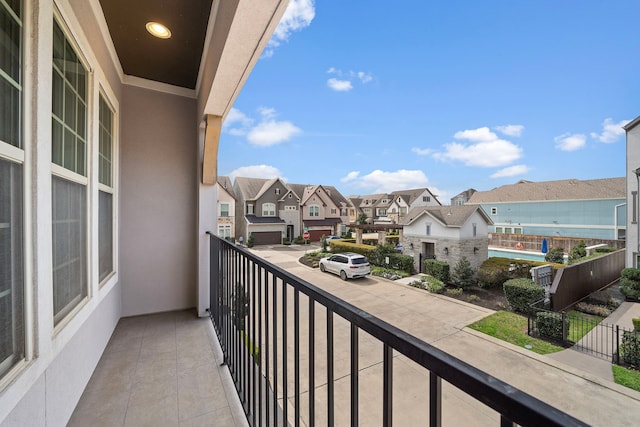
x,y
515,254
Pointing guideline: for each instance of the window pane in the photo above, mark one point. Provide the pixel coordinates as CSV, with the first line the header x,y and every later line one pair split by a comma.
x,y
11,266
105,234
69,245
105,142
11,78
69,98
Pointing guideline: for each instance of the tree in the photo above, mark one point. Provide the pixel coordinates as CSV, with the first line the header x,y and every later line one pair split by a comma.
x,y
578,251
555,255
462,275
362,218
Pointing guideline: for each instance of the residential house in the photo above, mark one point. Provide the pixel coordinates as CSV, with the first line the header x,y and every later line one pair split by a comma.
x,y
462,198
446,233
569,208
226,208
404,200
108,142
322,211
289,211
258,215
632,181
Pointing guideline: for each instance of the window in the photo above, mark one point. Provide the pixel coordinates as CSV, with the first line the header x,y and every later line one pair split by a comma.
x,y
290,195
494,211
314,210
224,209
224,231
499,230
290,208
12,332
634,205
517,230
277,191
268,209
475,230
381,211
69,182
428,229
352,212
105,192
426,198
250,209
508,230
343,212
403,211
334,211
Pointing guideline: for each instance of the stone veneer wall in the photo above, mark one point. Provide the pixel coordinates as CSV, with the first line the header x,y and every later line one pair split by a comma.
x,y
457,249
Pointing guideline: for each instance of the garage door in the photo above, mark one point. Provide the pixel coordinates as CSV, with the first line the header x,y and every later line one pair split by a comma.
x,y
316,235
267,237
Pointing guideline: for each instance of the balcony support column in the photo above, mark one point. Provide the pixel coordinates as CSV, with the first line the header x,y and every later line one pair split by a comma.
x,y
209,138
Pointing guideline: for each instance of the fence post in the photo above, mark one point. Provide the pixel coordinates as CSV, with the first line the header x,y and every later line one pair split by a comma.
x,y
617,344
564,328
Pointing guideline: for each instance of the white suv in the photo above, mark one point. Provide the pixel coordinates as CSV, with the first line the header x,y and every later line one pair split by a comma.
x,y
348,265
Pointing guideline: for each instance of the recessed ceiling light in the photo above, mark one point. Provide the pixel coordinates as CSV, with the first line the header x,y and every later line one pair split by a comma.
x,y
158,30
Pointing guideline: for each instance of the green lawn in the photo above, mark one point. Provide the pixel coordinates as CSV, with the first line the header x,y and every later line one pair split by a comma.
x,y
581,327
626,377
512,328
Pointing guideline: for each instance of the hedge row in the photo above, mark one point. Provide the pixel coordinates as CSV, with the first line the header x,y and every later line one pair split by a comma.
x,y
495,271
550,325
377,255
521,293
437,269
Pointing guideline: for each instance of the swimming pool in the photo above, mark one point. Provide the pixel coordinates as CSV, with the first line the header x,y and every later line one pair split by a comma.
x,y
515,254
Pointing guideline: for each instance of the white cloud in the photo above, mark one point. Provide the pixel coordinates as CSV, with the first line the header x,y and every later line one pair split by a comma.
x,y
510,130
383,182
610,131
350,176
272,132
297,17
486,150
511,171
256,171
339,85
422,151
236,122
364,77
570,142
267,132
345,80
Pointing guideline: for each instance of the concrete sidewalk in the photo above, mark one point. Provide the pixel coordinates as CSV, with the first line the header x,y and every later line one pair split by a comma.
x,y
441,321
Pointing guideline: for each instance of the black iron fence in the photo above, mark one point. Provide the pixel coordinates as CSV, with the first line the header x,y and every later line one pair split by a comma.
x,y
577,331
297,355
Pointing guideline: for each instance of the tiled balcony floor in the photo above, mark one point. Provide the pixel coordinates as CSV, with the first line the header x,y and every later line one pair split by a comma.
x,y
161,370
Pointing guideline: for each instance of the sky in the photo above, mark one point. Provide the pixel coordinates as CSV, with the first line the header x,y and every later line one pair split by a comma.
x,y
375,96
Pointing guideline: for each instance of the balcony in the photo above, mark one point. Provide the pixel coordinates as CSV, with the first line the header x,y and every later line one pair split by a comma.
x,y
165,369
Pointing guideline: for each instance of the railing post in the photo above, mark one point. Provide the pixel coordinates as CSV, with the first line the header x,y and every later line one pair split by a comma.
x,y
435,400
564,328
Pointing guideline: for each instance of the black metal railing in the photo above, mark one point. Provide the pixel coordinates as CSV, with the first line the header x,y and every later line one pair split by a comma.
x,y
579,332
290,345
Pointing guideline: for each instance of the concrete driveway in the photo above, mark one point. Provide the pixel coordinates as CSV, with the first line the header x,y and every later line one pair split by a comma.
x,y
441,321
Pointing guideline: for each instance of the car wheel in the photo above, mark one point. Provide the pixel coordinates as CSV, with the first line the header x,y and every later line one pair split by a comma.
x,y
322,268
343,275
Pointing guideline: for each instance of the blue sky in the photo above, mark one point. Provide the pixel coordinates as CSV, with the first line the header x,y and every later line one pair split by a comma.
x,y
373,96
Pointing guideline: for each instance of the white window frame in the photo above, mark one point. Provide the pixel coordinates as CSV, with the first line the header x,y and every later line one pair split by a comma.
x,y
494,210
268,209
108,98
16,155
314,211
228,205
250,209
427,230
68,312
224,231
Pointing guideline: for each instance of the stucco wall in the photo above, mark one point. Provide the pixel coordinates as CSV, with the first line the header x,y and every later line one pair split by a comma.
x,y
633,163
158,201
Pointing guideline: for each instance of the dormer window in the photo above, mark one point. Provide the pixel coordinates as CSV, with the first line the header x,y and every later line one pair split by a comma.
x,y
290,195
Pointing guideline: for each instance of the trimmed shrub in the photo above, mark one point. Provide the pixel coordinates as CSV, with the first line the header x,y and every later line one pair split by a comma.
x,y
521,293
437,269
578,251
636,324
555,255
630,348
630,283
550,325
462,275
434,285
495,271
342,246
